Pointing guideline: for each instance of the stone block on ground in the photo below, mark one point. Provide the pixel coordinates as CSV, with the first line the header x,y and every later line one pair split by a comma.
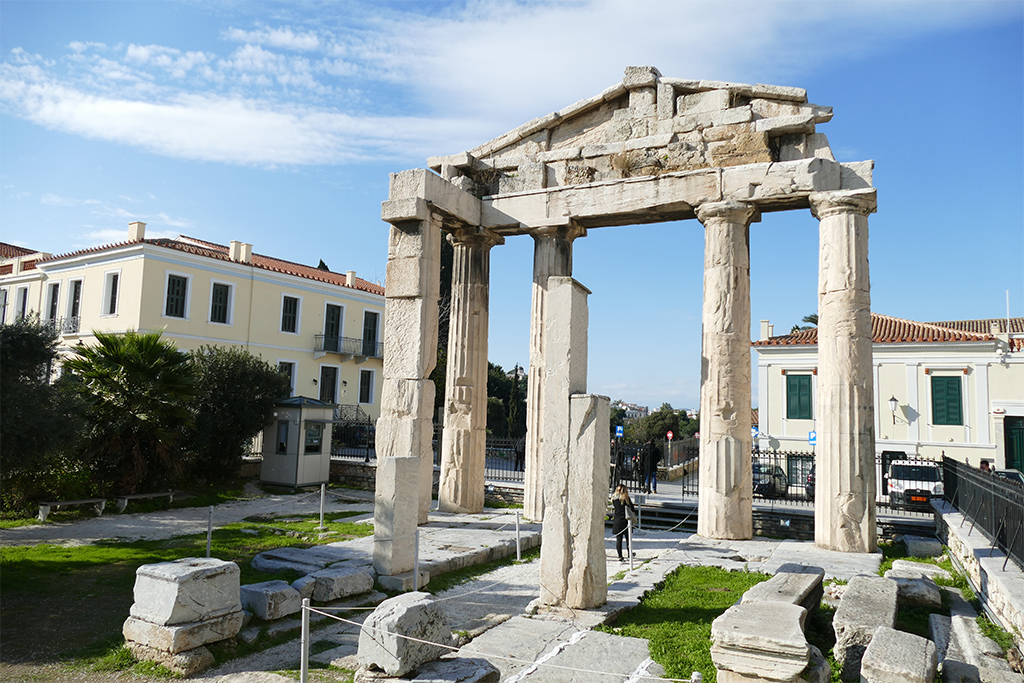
x,y
761,639
403,582
898,657
331,584
271,600
922,546
458,670
185,591
868,602
909,569
794,583
182,663
305,585
384,639
182,637
918,592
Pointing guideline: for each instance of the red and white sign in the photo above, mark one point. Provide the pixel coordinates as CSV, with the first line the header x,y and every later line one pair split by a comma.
x,y
670,436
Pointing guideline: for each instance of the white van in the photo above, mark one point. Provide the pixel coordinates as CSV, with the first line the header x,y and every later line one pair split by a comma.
x,y
913,483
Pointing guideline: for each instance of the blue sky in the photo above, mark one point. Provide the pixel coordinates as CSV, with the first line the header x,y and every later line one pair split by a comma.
x,y
278,123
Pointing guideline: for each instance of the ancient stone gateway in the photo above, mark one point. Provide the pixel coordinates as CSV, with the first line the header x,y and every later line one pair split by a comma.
x,y
646,150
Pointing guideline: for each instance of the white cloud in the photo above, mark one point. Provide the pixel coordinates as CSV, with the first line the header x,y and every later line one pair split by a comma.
x,y
276,37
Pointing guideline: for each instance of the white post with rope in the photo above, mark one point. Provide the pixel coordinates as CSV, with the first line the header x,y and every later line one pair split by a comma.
x,y
209,532
629,544
519,554
304,646
323,495
416,561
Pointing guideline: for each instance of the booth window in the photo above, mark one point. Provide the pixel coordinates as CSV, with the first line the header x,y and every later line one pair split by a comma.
x,y
314,437
282,436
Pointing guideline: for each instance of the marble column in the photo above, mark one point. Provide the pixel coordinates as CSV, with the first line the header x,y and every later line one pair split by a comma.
x,y
464,440
725,494
552,255
844,508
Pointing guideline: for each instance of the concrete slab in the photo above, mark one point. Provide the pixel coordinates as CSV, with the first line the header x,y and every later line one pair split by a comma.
x,y
837,565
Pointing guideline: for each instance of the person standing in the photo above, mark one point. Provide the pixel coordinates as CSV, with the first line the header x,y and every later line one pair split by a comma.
x,y
622,508
652,456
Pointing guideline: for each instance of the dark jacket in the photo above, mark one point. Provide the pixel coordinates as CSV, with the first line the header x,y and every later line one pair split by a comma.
x,y
619,515
652,456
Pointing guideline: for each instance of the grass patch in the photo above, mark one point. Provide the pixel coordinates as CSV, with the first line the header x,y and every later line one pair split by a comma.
x,y
460,576
676,618
996,632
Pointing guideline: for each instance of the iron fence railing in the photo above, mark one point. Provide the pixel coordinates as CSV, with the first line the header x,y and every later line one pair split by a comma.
x,y
348,346
993,504
69,325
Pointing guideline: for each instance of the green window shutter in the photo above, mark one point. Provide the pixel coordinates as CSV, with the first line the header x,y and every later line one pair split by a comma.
x,y
947,407
798,397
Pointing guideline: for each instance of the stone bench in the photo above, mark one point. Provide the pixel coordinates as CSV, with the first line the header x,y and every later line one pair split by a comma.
x,y
122,501
795,584
46,506
868,603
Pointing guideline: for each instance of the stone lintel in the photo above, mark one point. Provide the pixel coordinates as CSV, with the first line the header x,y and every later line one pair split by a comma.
x,y
861,202
420,183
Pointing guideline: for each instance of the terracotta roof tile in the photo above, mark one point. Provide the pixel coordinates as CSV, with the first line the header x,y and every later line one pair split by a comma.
x,y
13,251
984,325
887,330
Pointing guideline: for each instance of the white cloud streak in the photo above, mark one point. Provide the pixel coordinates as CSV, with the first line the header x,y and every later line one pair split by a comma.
x,y
464,76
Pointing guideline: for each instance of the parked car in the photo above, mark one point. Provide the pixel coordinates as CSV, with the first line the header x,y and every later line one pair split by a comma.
x,y
770,481
809,490
1013,475
913,483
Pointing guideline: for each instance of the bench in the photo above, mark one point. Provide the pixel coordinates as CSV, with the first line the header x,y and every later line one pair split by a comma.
x,y
45,506
122,501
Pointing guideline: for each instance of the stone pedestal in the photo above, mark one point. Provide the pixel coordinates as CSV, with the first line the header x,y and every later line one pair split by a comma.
x,y
725,493
565,364
463,444
552,256
394,514
844,509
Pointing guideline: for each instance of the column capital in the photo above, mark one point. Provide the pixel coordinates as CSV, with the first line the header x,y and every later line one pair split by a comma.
x,y
729,211
569,232
474,235
825,204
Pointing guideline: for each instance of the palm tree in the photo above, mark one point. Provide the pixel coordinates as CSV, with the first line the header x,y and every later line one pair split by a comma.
x,y
136,386
811,320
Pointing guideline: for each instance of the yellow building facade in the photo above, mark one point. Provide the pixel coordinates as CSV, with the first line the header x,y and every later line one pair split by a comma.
x,y
323,329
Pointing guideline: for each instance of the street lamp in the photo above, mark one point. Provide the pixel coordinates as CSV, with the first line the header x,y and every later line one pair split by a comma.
x,y
893,403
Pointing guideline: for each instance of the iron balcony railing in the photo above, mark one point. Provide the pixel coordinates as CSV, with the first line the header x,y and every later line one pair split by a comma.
x,y
348,346
64,325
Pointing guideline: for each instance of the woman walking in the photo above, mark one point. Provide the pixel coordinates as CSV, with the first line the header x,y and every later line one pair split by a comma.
x,y
620,505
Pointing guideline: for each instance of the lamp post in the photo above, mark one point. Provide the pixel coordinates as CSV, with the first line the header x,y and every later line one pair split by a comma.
x,y
893,404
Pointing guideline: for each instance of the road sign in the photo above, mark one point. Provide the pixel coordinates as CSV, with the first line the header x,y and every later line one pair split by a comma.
x,y
670,436
812,437
753,432
618,431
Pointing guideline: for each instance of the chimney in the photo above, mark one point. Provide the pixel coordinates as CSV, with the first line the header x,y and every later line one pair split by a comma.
x,y
767,330
350,278
136,231
246,253
235,250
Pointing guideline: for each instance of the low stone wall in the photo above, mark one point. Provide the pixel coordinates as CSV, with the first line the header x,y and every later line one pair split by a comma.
x,y
1001,591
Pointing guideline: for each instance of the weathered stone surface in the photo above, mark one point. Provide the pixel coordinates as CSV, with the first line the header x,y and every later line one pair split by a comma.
x,y
304,585
458,670
185,591
845,504
331,584
412,277
898,657
182,637
725,489
917,592
589,455
912,569
407,398
640,76
695,103
395,513
417,615
761,639
271,600
407,320
182,663
421,183
253,677
868,602
922,546
773,180
795,584
565,364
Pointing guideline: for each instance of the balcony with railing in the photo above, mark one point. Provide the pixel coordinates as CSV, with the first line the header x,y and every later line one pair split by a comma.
x,y
347,346
68,325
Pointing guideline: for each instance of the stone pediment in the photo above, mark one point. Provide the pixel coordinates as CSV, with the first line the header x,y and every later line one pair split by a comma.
x,y
649,125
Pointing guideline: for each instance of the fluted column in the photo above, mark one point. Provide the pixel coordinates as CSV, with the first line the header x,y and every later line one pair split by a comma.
x,y
725,495
844,507
552,255
463,444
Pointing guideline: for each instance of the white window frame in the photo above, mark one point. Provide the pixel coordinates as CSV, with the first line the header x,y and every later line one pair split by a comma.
x,y
373,381
21,309
298,314
4,296
108,277
295,370
230,305
50,287
70,299
188,295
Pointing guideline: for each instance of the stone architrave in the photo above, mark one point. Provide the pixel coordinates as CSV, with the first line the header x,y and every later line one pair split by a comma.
x,y
552,256
412,288
725,490
394,514
464,440
565,363
844,511
589,455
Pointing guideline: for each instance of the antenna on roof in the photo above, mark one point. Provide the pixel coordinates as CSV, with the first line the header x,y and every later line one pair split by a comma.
x,y
1007,311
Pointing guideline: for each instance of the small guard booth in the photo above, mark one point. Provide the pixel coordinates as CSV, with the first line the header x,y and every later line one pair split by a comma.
x,y
297,443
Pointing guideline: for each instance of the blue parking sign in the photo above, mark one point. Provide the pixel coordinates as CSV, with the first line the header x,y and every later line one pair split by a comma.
x,y
812,437
618,430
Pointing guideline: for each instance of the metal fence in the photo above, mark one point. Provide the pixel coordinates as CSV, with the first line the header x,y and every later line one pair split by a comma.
x,y
993,504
